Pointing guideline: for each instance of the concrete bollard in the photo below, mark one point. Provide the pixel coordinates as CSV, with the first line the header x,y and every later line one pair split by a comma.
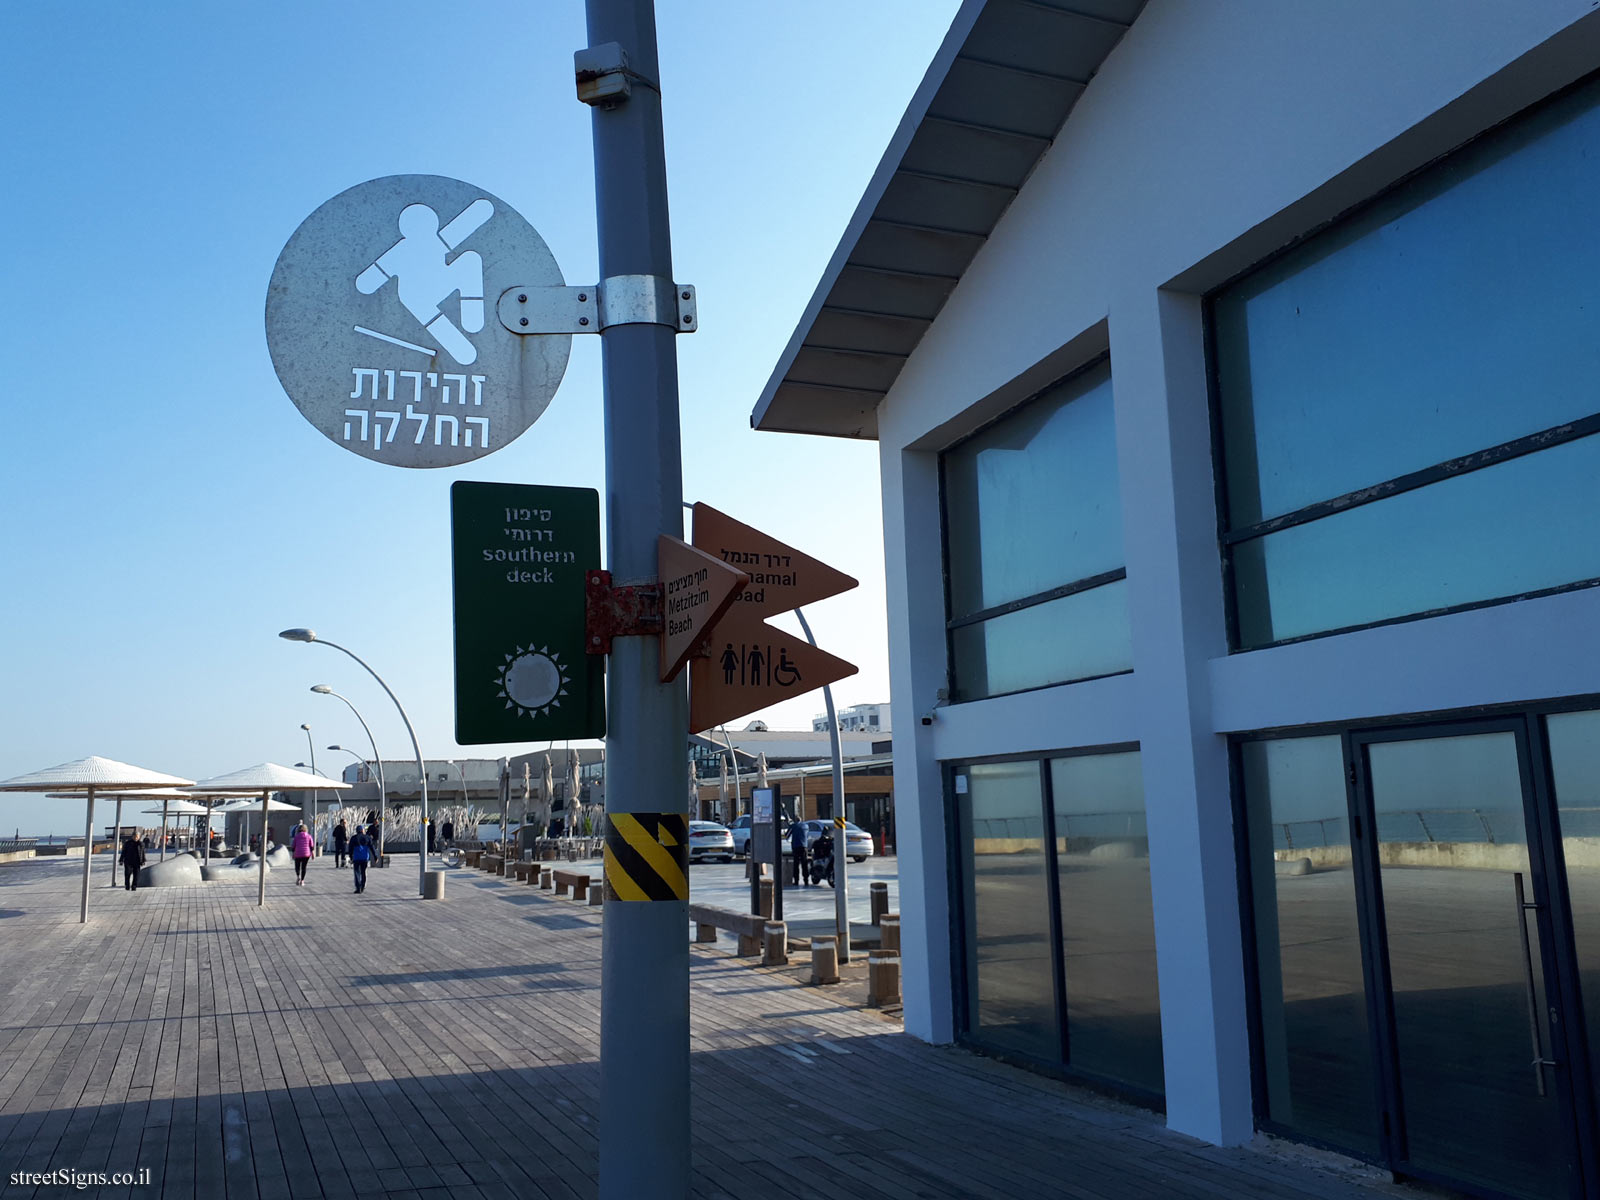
x,y
775,944
532,877
597,893
825,959
878,894
883,978
433,885
889,933
546,878
766,898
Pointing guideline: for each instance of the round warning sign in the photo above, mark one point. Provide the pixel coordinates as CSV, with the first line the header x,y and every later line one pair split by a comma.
x,y
382,326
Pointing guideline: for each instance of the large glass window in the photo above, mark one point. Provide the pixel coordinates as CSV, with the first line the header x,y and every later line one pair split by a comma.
x,y
1060,936
1314,1042
1380,385
1033,529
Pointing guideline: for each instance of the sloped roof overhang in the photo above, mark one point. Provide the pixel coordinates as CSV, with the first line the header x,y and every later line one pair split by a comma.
x,y
990,105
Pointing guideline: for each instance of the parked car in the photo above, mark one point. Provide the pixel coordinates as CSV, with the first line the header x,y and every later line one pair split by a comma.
x,y
707,839
740,828
858,841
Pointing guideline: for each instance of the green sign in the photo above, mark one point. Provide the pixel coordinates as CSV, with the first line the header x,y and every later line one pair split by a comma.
x,y
521,554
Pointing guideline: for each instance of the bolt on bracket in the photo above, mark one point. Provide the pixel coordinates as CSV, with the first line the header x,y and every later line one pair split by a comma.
x,y
613,612
619,300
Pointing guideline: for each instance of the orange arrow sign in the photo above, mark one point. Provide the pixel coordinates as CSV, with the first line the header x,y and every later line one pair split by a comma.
x,y
781,577
752,665
696,589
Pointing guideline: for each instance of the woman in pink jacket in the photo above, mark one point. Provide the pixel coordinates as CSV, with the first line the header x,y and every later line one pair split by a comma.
x,y
300,846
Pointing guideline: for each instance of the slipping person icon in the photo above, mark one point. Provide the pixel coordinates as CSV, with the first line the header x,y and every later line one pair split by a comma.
x,y
426,280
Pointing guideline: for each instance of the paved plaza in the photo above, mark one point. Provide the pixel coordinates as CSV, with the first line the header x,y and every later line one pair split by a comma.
x,y
334,1045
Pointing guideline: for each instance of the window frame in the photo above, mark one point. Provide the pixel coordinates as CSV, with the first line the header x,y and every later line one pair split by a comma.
x,y
1228,538
1059,592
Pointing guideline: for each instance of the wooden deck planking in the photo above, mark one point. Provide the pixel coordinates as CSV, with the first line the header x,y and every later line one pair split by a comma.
x,y
334,1046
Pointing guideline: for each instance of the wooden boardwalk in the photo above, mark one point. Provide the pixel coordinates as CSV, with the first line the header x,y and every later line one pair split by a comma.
x,y
330,1045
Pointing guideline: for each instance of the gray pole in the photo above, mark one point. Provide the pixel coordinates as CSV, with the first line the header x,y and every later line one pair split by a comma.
x,y
116,844
88,860
261,870
841,900
311,823
644,1012
377,762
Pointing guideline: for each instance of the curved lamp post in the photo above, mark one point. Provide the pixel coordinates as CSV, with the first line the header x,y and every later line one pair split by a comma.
x,y
307,635
323,689
311,749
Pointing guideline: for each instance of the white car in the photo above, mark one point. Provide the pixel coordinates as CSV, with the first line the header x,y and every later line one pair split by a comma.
x,y
740,829
858,841
707,839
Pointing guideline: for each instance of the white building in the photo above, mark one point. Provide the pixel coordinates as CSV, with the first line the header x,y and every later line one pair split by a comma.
x,y
1235,371
858,718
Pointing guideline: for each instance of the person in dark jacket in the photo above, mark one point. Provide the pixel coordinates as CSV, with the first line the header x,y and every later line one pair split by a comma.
x,y
430,836
361,852
797,847
449,832
132,860
341,837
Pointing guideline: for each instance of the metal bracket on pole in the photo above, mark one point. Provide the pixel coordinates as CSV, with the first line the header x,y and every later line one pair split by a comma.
x,y
620,300
613,612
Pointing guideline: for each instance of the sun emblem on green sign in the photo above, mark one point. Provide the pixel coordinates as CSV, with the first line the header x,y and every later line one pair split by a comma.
x,y
533,681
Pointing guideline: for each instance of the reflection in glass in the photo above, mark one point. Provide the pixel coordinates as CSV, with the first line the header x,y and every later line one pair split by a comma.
x,y
1575,772
1107,927
1031,503
1452,844
1010,975
1381,346
1080,636
1491,533
1316,1048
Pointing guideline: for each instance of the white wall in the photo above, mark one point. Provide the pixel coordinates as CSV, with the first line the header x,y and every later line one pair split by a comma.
x,y
1214,133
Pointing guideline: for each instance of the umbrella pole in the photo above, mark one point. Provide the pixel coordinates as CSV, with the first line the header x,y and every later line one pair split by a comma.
x,y
116,845
162,857
88,845
261,875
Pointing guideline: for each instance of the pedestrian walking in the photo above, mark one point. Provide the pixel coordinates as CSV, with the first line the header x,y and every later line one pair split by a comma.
x,y
430,835
797,847
341,838
301,845
360,855
449,832
132,860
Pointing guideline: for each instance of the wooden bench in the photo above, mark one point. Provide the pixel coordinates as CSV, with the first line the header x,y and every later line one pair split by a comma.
x,y
708,918
578,881
473,858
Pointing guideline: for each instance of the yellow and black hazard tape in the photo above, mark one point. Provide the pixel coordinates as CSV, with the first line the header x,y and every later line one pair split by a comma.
x,y
647,856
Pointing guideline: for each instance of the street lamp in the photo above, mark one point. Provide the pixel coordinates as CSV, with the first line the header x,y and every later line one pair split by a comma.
x,y
311,825
323,689
306,635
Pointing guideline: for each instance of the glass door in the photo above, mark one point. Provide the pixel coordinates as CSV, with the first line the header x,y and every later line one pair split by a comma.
x,y
1462,959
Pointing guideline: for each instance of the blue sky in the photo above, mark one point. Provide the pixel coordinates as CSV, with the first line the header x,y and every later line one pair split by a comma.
x,y
168,508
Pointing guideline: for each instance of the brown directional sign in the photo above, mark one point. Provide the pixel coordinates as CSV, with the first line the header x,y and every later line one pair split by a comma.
x,y
696,589
781,577
752,666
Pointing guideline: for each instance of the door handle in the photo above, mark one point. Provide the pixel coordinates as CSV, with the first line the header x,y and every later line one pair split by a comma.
x,y
1540,1062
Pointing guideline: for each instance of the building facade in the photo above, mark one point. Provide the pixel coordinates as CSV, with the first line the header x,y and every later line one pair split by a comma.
x,y
1235,372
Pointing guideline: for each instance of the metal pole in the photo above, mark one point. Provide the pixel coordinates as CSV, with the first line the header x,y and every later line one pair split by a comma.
x,y
644,1012
733,761
841,900
422,772
377,764
161,854
261,873
310,824
88,843
116,845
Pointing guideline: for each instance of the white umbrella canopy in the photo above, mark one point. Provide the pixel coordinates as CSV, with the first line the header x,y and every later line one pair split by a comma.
x,y
272,778
256,806
269,777
90,775
179,807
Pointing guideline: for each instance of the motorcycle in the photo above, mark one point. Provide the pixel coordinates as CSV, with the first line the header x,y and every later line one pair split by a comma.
x,y
822,859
